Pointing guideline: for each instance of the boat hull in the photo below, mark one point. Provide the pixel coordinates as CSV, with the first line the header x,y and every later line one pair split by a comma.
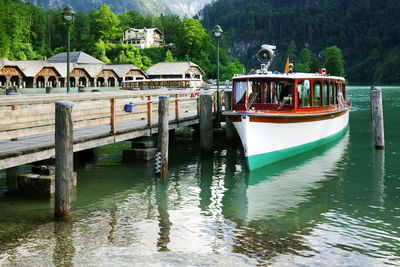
x,y
267,139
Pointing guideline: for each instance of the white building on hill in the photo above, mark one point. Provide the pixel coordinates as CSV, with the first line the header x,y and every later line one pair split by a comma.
x,y
143,38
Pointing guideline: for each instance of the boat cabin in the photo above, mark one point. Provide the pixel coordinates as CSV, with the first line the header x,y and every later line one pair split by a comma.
x,y
296,91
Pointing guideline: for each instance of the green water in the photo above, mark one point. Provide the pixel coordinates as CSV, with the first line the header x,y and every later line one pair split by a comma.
x,y
338,205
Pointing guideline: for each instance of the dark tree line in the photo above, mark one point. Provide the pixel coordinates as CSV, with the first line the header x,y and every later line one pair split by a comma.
x,y
367,32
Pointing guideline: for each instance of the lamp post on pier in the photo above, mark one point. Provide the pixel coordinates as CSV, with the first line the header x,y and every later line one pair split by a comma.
x,y
217,31
68,15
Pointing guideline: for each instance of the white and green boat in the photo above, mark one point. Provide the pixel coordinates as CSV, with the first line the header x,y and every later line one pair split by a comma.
x,y
279,115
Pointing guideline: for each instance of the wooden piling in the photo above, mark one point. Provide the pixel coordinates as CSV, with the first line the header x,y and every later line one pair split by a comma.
x,y
229,128
113,116
377,117
149,113
206,122
14,107
163,135
12,179
177,107
64,160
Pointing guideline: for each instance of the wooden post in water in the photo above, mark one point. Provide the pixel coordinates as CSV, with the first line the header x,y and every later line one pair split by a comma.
x,y
206,122
229,128
12,182
163,135
370,100
377,117
64,160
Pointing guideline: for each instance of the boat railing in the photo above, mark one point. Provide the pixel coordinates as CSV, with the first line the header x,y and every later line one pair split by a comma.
x,y
285,100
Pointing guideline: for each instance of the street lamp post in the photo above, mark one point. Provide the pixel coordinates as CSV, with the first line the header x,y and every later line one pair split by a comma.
x,y
68,16
217,33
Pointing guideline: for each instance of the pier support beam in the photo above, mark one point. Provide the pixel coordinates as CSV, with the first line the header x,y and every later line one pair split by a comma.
x,y
163,135
377,117
64,160
206,123
12,179
229,128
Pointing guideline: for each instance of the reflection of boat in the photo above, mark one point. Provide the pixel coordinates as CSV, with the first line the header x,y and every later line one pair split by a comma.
x,y
281,115
282,187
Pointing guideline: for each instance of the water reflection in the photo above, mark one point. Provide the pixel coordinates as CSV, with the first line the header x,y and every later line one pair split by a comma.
x,y
276,190
206,170
64,249
284,198
163,216
378,166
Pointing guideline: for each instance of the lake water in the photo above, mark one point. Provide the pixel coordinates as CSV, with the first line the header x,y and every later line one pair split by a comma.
x,y
335,206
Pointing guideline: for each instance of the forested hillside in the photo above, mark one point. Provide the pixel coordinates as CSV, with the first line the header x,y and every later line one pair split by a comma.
x,y
30,32
367,32
144,7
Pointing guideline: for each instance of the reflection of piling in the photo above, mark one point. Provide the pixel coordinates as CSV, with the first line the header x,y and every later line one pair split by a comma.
x,y
163,135
377,117
64,160
163,216
64,249
229,128
378,169
206,122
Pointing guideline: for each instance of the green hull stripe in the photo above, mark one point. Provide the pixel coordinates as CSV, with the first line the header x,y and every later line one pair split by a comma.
x,y
257,161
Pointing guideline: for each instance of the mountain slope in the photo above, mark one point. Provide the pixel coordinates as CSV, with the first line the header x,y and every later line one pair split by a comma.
x,y
155,7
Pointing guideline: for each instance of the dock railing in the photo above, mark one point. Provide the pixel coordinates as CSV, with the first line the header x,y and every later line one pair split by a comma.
x,y
30,115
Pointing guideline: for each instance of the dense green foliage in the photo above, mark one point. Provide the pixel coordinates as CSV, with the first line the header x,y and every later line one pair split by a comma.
x,y
29,32
367,31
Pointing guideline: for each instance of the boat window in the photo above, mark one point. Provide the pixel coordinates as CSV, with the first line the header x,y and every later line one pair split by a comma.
x,y
240,92
332,93
255,92
284,92
172,84
270,93
178,84
325,94
304,94
316,94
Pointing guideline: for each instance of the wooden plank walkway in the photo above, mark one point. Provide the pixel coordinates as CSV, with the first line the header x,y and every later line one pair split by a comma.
x,y
109,125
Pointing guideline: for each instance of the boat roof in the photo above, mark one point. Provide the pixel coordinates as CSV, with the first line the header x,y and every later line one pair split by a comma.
x,y
295,75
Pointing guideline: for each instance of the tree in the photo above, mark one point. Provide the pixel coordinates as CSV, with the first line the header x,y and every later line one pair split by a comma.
x,y
233,67
106,24
131,19
314,65
304,62
99,51
193,39
291,52
169,57
333,60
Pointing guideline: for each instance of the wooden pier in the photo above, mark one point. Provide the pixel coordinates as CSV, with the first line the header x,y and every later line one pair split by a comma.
x,y
27,122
